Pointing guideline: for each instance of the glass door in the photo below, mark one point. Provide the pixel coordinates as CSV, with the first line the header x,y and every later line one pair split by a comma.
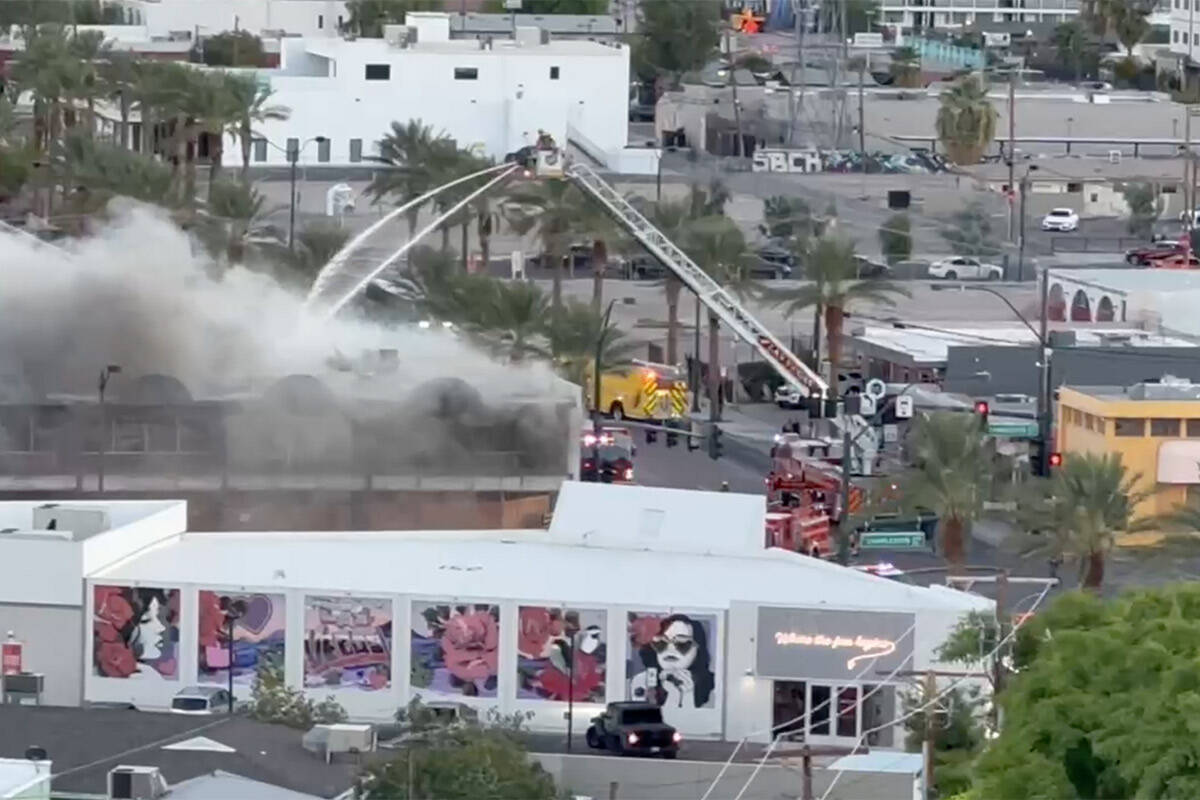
x,y
835,715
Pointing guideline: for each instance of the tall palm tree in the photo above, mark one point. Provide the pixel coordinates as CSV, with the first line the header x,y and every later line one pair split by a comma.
x,y
42,69
671,217
319,241
407,149
558,210
1081,510
951,476
966,120
833,288
87,49
155,90
233,225
249,99
516,318
118,79
906,67
1072,43
573,333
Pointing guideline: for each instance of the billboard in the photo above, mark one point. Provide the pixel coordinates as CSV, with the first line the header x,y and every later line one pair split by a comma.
x,y
347,643
820,644
135,632
672,660
455,648
259,627
561,654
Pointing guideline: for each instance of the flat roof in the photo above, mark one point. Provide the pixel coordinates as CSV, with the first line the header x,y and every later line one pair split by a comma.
x,y
1129,281
18,514
928,346
1143,392
1081,168
380,48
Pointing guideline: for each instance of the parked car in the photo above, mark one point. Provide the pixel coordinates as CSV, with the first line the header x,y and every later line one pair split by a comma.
x,y
644,267
789,397
1060,219
1178,260
1141,256
965,267
867,268
774,262
633,728
200,701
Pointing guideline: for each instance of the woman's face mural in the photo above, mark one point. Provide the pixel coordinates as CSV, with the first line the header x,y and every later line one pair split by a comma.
x,y
135,632
670,660
676,647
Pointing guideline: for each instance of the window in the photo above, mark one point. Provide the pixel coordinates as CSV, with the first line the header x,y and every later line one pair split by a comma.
x,y
1087,421
342,24
260,149
472,73
1193,428
355,151
1126,426
293,149
554,73
1074,187
382,72
323,147
320,21
1164,427
1175,34
1196,36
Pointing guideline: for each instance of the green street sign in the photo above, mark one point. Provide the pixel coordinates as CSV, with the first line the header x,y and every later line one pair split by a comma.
x,y
914,540
1013,430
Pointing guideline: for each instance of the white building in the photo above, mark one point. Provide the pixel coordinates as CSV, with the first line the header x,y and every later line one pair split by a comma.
x,y
955,14
489,95
210,17
669,594
46,549
1158,299
23,779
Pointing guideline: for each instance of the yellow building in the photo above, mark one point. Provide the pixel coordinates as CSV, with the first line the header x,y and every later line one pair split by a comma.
x,y
1155,427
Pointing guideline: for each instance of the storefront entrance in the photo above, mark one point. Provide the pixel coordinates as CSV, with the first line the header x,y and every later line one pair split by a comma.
x,y
824,713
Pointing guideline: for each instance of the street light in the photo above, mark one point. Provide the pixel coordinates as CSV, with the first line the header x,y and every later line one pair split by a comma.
x,y
293,156
600,337
1043,340
233,610
1021,241
102,384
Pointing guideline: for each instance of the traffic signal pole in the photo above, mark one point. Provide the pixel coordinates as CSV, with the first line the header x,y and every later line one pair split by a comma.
x,y
1044,401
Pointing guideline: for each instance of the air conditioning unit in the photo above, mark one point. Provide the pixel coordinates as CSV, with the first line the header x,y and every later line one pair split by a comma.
x,y
83,521
340,737
136,783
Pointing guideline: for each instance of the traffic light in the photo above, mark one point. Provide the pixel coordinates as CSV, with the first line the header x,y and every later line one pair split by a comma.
x,y
981,409
1055,460
715,445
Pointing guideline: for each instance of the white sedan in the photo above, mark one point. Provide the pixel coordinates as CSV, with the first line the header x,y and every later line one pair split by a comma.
x,y
1060,219
965,267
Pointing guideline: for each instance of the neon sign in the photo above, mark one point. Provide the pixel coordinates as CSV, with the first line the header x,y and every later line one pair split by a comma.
x,y
871,647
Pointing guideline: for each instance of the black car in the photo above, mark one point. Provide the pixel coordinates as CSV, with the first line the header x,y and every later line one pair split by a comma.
x,y
866,268
773,262
633,728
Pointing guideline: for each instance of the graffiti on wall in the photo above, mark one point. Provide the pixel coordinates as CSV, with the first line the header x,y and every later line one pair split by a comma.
x,y
135,632
671,659
455,648
348,643
545,667
258,635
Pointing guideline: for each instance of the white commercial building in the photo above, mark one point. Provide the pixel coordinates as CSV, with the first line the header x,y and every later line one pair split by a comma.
x,y
1163,300
633,593
955,14
489,95
260,17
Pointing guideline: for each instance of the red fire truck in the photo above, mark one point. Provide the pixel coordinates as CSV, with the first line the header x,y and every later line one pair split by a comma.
x,y
805,481
802,529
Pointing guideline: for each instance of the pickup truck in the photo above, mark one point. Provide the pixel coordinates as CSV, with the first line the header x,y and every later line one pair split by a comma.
x,y
633,728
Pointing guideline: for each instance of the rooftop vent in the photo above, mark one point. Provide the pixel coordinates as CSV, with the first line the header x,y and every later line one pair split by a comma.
x,y
136,783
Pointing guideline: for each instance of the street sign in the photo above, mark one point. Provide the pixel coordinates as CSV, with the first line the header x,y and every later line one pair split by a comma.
x,y
875,389
904,406
1013,429
866,405
914,540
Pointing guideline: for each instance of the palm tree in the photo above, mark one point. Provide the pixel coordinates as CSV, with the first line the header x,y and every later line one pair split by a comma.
x,y
966,120
407,150
1072,43
41,69
951,476
118,79
1081,510
671,217
155,92
87,49
516,318
833,290
233,225
906,67
1131,27
319,241
249,99
573,333
558,210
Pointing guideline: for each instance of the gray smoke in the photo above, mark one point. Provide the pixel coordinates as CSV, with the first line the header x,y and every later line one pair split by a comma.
x,y
136,295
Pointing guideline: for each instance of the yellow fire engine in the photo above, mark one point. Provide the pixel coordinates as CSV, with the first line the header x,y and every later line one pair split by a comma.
x,y
640,390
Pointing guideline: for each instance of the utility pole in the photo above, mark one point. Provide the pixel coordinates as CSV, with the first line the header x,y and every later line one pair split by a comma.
x,y
843,523
1045,399
737,111
800,15
930,733
862,131
1012,152
1188,202
696,360
1024,189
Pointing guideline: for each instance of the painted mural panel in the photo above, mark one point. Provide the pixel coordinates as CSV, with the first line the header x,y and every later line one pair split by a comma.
x,y
347,643
258,635
135,632
672,659
455,648
544,649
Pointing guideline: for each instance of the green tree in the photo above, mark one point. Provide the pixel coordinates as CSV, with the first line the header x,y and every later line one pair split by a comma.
x,y
956,732
970,232
833,289
966,121
1132,25
273,701
465,760
905,68
895,238
951,477
861,16
1078,513
1144,207
675,37
232,49
249,105
118,79
233,226
408,150
318,242
559,211
573,334
515,318
1074,46
1102,701
788,218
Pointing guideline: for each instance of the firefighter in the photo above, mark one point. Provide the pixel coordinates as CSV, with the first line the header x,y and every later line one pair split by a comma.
x,y
544,140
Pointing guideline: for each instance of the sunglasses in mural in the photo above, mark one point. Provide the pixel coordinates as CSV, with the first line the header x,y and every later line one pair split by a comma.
x,y
670,663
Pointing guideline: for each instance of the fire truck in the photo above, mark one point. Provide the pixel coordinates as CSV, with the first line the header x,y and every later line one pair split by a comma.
x,y
800,479
640,390
606,456
802,529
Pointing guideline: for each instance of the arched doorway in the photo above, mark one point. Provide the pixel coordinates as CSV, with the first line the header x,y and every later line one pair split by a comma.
x,y
1081,309
1056,304
1104,310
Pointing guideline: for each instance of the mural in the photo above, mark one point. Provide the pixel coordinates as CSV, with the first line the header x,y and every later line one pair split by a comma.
x,y
347,643
670,659
135,632
455,648
544,668
258,635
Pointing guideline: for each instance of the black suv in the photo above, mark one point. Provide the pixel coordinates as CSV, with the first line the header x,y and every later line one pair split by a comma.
x,y
633,728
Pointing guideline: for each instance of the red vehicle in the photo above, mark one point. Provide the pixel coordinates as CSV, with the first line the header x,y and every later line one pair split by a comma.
x,y
1144,256
801,529
614,448
1181,260
806,481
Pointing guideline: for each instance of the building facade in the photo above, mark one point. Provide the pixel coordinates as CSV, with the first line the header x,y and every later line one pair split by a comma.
x,y
1153,427
634,593
956,14
312,18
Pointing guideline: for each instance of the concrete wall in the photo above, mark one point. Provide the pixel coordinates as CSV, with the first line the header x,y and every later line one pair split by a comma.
x,y
1014,370
53,645
651,779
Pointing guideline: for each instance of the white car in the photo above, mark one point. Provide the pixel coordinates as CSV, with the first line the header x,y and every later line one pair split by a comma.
x,y
788,397
965,267
1060,219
